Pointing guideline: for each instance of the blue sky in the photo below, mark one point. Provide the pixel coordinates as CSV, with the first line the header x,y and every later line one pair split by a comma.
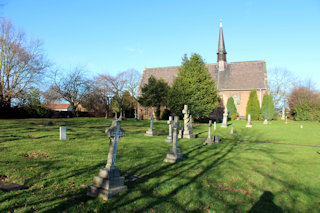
x,y
113,36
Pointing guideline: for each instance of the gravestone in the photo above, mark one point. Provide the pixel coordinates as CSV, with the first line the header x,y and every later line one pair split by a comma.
x,y
63,133
209,140
214,125
180,134
283,114
174,154
135,115
216,139
249,124
231,131
124,115
150,131
169,137
301,126
109,182
187,131
265,121
225,119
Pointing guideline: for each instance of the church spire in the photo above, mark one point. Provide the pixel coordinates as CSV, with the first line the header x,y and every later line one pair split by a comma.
x,y
222,54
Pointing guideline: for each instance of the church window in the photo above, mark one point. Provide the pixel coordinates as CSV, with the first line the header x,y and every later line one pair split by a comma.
x,y
238,99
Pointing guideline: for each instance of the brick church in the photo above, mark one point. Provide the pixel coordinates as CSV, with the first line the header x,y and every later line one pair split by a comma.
x,y
235,79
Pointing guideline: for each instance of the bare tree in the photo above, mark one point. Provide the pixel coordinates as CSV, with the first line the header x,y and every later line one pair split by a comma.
x,y
280,82
73,88
133,79
21,63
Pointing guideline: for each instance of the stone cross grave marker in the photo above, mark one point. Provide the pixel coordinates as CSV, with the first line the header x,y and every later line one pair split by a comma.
x,y
109,182
63,133
187,131
209,140
174,154
169,137
249,124
150,131
225,119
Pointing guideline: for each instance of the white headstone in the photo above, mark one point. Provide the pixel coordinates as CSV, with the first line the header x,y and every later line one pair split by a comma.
x,y
63,133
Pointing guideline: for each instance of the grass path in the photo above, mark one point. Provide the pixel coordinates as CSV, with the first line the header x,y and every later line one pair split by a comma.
x,y
234,176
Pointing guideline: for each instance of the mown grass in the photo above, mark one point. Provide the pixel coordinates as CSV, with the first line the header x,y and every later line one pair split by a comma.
x,y
241,173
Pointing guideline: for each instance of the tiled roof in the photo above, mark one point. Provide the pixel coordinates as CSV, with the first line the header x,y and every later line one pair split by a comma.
x,y
237,76
57,106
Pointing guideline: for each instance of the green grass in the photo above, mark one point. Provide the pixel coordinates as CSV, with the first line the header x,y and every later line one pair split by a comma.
x,y
241,173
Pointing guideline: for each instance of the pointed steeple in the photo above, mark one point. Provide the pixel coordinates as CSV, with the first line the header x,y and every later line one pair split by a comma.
x,y
222,53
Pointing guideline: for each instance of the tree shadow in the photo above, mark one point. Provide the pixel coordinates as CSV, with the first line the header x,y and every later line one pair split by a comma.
x,y
265,204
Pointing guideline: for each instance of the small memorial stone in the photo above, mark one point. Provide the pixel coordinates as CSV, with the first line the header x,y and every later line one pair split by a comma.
x,y
216,139
63,133
214,125
265,121
231,131
249,124
150,131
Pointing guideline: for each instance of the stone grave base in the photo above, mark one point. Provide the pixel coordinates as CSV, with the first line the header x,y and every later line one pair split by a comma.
x,y
249,125
168,139
107,184
224,125
209,141
189,136
173,157
150,132
8,187
265,121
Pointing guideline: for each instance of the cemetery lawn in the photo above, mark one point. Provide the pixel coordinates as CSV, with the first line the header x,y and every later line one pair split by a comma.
x,y
271,168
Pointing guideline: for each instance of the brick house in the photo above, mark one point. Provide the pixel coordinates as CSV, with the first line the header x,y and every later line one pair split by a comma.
x,y
235,79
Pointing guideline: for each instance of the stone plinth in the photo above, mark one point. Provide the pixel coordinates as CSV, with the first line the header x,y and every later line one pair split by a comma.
x,y
173,157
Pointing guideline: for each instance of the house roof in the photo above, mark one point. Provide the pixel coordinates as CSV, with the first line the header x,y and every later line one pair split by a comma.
x,y
57,106
237,75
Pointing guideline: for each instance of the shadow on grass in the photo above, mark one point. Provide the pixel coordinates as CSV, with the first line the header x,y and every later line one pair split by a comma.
x,y
265,204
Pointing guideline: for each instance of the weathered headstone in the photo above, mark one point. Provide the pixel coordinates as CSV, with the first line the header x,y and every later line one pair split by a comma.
x,y
180,134
109,182
301,126
169,137
174,154
283,113
214,125
209,140
63,133
150,131
225,119
231,131
187,131
124,115
216,139
249,124
265,121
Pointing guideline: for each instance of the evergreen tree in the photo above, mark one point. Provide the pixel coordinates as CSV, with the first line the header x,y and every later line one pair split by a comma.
x,y
267,108
232,110
154,94
193,87
253,107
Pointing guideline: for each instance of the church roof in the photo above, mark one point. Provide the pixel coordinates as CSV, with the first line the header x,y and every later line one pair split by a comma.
x,y
247,75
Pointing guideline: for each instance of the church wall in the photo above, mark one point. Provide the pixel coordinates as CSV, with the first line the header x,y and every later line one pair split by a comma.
x,y
241,99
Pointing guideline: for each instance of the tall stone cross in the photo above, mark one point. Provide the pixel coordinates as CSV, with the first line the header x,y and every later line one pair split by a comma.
x,y
150,131
174,154
225,119
114,133
109,182
209,139
170,123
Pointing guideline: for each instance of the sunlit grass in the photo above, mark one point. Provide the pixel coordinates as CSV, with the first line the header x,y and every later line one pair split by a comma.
x,y
227,177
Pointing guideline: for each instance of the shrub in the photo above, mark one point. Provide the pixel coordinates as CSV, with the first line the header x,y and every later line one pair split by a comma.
x,y
253,107
165,114
267,109
231,107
